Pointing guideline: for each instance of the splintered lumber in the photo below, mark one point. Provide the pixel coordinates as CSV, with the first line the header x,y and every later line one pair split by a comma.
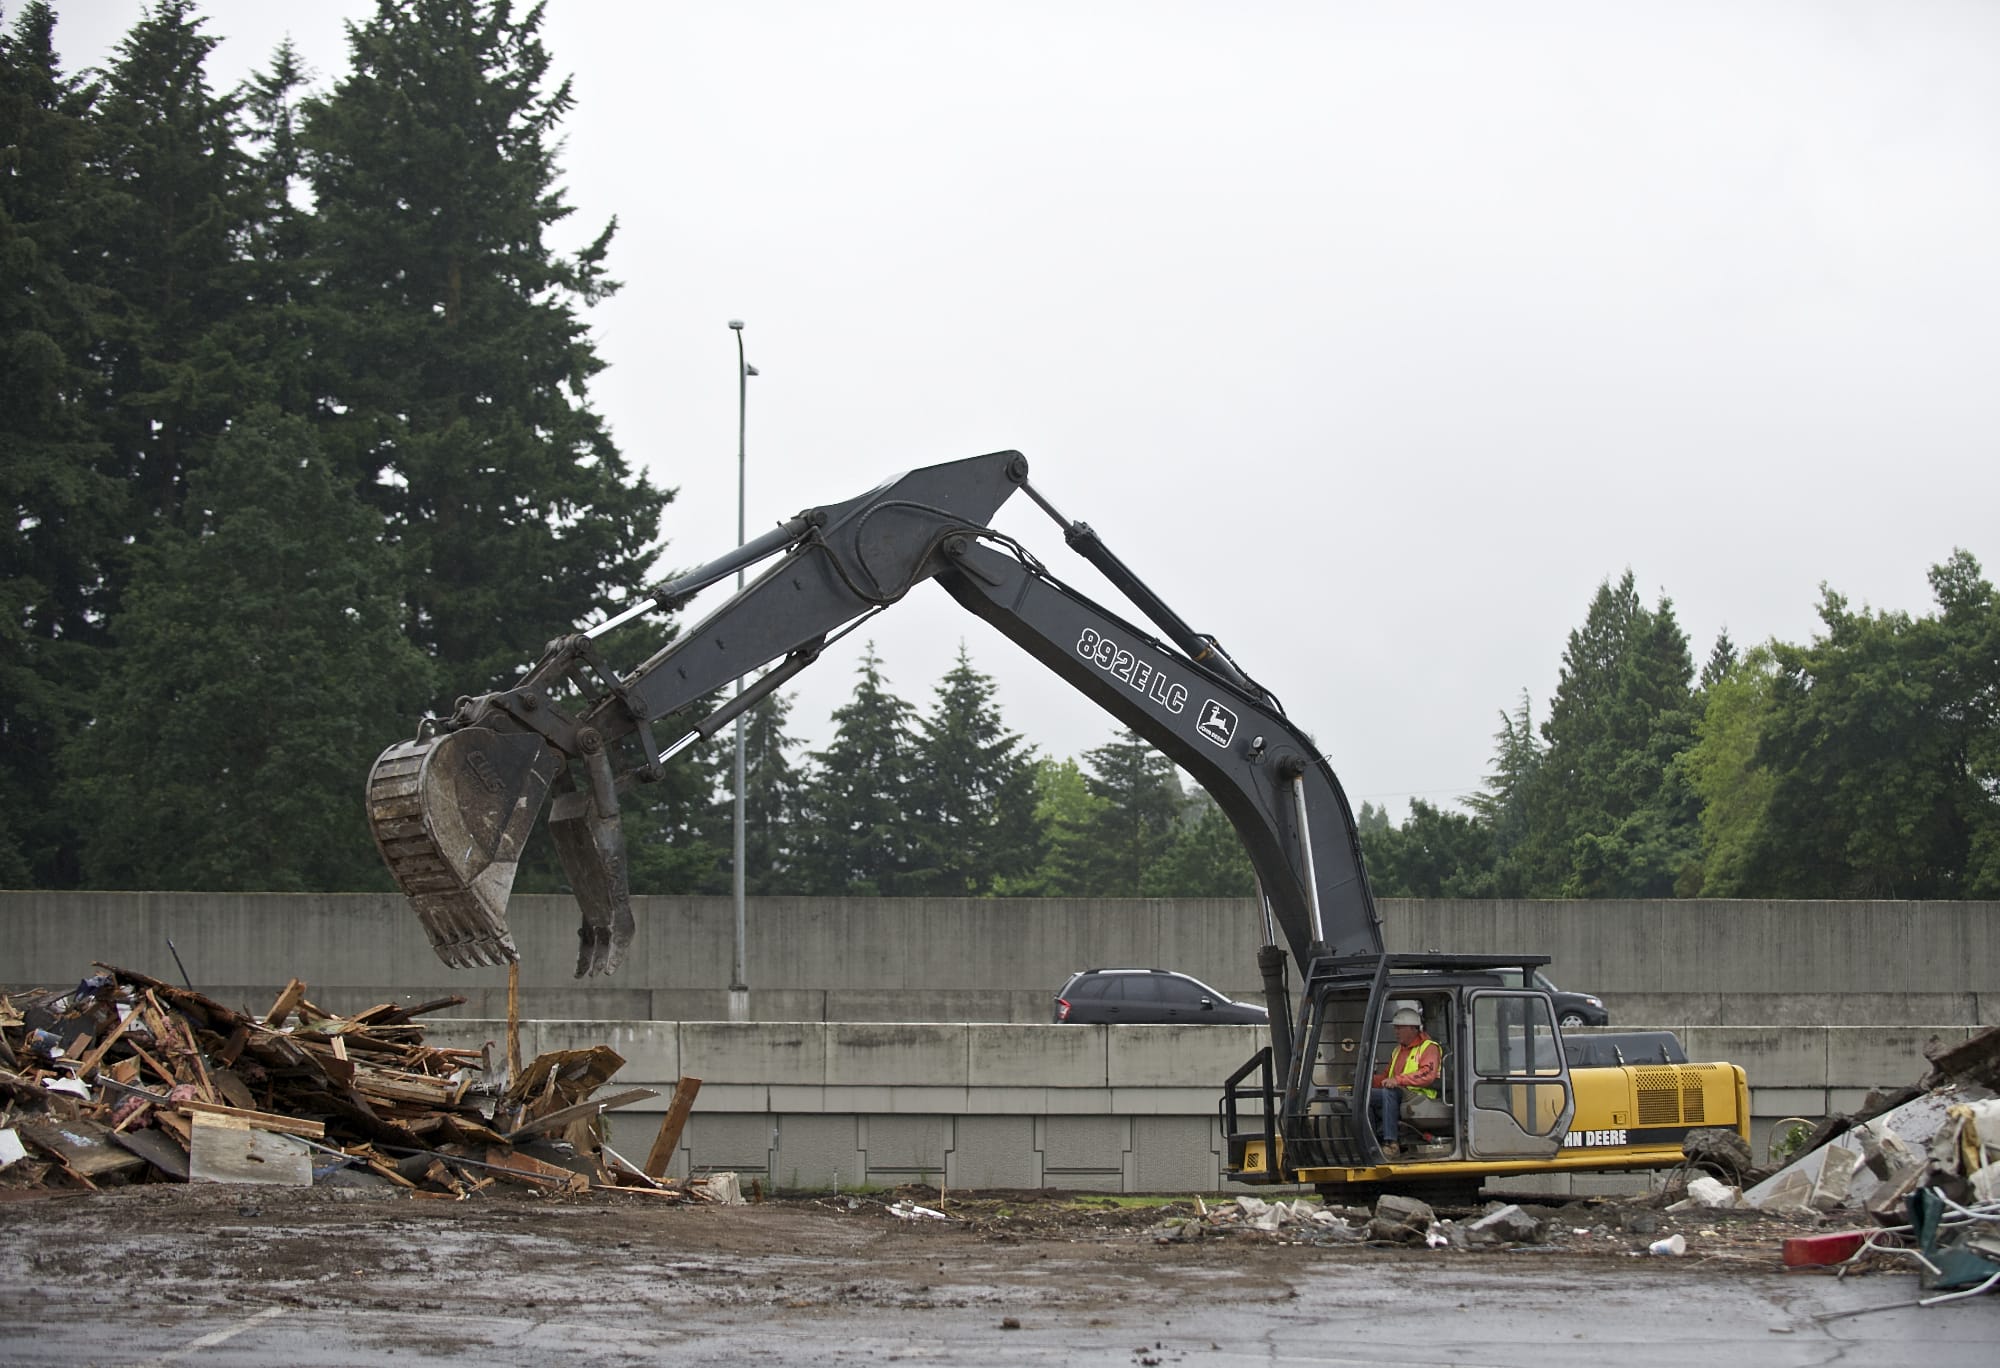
x,y
523,1168
287,1125
514,1020
88,1064
157,1149
294,993
84,1147
671,1125
593,1107
423,1090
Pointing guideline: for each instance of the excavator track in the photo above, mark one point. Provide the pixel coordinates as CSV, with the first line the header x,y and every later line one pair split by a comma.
x,y
450,815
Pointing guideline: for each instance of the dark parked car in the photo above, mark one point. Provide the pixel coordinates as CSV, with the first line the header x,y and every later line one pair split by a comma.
x,y
1574,1009
1148,996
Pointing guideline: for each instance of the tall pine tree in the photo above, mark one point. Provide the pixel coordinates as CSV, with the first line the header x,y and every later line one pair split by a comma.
x,y
260,667
856,837
67,509
168,213
973,792
1142,805
1609,813
453,362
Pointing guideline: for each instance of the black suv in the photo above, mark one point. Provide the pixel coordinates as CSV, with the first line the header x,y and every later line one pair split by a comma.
x,y
1574,1009
1149,996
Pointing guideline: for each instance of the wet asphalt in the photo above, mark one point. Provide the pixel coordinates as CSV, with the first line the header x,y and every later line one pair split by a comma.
x,y
1517,1314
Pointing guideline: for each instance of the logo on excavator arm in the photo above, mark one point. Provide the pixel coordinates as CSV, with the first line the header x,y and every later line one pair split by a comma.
x,y
1217,723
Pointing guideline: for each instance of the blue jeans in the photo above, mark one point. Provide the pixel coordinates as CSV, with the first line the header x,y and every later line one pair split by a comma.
x,y
1386,1106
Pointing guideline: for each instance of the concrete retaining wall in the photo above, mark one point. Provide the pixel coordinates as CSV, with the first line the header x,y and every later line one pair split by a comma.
x,y
1119,1109
838,959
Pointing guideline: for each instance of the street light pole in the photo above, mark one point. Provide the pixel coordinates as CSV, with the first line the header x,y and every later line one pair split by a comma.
x,y
739,987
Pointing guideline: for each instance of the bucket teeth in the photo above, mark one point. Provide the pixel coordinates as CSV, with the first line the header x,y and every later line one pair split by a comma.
x,y
450,816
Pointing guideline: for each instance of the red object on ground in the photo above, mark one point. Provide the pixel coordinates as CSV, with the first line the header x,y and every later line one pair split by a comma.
x,y
1814,1251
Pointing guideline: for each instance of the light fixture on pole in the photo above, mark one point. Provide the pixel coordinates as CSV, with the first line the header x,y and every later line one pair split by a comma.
x,y
739,987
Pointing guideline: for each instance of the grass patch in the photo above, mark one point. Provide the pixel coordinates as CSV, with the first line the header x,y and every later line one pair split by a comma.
x,y
1108,1201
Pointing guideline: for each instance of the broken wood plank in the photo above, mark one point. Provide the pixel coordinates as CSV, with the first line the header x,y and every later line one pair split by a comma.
x,y
233,1047
669,1138
524,1168
513,1021
287,999
82,1146
87,1066
287,1125
232,1091
566,1115
621,1166
158,1149
421,1089
221,1153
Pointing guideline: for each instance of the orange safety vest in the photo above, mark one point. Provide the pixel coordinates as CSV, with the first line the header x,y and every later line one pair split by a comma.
x,y
1407,1060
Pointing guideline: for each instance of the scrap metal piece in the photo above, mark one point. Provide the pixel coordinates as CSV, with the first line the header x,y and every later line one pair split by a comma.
x,y
450,816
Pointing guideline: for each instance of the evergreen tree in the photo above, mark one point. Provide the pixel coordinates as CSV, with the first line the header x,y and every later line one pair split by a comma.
x,y
856,834
67,523
1204,859
1502,804
1722,658
275,327
167,216
1142,798
453,364
1609,815
973,792
699,838
772,799
259,670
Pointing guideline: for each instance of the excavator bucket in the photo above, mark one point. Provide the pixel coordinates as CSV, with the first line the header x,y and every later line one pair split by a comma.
x,y
591,845
450,815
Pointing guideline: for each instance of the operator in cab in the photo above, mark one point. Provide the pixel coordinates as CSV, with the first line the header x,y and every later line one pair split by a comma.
x,y
1415,1067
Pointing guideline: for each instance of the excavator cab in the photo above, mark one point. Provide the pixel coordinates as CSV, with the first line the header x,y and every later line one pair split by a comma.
x,y
1505,1093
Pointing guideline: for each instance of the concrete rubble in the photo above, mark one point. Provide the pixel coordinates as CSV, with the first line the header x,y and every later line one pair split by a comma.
x,y
125,1079
1922,1165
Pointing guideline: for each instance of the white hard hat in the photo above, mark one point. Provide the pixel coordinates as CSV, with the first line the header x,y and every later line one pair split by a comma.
x,y
1408,1015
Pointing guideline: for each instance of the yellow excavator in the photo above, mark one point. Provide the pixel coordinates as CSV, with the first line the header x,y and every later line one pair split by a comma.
x,y
452,809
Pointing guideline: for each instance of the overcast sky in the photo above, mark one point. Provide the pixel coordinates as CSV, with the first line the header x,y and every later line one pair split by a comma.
x,y
1373,337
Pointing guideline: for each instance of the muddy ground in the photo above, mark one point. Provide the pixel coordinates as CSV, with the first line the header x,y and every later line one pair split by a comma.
x,y
363,1276
390,1246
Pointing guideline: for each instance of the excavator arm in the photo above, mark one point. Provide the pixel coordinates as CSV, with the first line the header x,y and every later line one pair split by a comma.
x,y
452,809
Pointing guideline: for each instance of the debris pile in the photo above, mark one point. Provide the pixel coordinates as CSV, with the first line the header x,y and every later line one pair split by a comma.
x,y
126,1079
1923,1164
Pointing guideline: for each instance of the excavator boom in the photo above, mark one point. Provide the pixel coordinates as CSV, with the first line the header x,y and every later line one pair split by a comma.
x,y
451,810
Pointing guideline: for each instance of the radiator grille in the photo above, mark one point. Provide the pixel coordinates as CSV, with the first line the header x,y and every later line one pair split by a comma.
x,y
1659,1092
1694,1102
1672,1095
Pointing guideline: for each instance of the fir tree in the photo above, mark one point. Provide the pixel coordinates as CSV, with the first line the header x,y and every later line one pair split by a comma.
x,y
1142,803
68,509
167,215
451,356
259,670
972,793
856,834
